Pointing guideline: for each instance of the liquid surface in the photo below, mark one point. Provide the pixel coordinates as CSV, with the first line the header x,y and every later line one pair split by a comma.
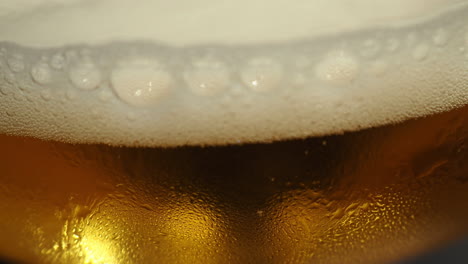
x,y
373,196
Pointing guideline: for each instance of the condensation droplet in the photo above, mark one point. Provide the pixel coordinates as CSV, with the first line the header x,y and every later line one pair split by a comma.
x,y
207,77
85,76
41,73
262,74
57,61
337,67
141,82
16,63
440,37
420,52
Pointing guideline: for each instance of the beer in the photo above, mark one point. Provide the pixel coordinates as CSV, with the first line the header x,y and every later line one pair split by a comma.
x,y
346,147
375,195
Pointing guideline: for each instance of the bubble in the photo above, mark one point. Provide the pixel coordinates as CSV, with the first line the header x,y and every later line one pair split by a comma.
x,y
440,37
262,74
41,73
207,77
16,63
57,61
420,52
85,76
337,67
141,82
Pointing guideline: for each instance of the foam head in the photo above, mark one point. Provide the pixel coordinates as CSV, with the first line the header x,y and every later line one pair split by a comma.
x,y
193,73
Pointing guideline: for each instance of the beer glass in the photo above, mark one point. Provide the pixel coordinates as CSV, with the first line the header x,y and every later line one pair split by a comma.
x,y
232,131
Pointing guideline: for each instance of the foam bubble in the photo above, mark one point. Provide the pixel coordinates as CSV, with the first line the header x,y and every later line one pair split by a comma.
x,y
262,74
207,77
338,67
16,63
141,82
57,61
85,75
41,73
118,93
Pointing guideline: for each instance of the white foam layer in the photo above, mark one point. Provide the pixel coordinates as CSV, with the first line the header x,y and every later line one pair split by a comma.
x,y
147,94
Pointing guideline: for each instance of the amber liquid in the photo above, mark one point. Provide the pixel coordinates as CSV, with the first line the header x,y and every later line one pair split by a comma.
x,y
378,195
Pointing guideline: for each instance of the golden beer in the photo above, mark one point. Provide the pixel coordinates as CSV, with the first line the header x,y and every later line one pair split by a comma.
x,y
376,195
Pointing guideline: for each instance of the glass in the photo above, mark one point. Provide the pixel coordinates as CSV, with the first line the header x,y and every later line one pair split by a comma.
x,y
312,192
376,195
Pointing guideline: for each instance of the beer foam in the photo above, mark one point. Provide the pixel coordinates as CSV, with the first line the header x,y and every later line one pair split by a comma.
x,y
225,72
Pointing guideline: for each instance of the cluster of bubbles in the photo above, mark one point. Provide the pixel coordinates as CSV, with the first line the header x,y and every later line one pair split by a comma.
x,y
142,81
